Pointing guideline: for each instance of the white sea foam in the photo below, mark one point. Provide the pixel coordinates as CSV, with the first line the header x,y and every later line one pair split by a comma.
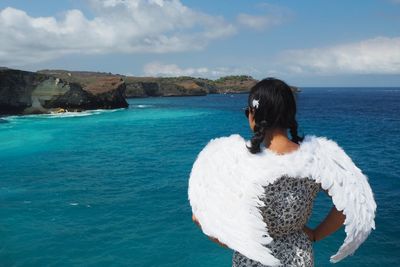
x,y
67,114
141,106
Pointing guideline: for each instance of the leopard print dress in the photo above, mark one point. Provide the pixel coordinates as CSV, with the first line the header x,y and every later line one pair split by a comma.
x,y
289,202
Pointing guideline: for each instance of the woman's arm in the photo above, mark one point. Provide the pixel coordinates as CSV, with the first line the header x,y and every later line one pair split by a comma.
x,y
212,238
332,222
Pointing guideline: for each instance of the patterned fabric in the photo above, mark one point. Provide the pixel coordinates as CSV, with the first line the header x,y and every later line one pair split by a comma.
x,y
288,205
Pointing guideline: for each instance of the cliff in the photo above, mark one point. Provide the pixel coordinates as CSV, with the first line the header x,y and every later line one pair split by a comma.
x,y
137,86
23,92
185,86
164,86
149,86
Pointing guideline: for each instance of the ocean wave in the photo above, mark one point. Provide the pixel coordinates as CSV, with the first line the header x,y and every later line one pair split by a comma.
x,y
67,114
141,106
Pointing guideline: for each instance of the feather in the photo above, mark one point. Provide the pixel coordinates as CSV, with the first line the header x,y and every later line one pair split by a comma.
x,y
351,193
226,184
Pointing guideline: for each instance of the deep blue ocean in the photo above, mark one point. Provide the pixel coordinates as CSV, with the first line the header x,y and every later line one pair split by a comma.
x,y
109,188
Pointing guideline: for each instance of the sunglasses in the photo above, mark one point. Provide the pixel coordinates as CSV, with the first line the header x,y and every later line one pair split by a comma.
x,y
247,111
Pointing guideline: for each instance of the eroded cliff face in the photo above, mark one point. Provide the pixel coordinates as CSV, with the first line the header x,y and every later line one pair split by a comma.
x,y
16,89
23,92
186,86
163,86
135,86
149,88
142,86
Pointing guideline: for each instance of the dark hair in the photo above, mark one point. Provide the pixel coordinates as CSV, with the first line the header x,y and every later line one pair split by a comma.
x,y
276,109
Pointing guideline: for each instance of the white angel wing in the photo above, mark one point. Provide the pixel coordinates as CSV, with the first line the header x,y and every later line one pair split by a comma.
x,y
223,201
350,192
226,182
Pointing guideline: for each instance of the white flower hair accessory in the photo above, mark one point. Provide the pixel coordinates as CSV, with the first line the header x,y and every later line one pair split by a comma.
x,y
255,103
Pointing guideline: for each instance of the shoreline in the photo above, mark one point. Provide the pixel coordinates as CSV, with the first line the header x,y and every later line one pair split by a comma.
x,y
47,91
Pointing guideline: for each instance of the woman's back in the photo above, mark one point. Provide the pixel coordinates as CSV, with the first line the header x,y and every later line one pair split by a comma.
x,y
288,205
231,176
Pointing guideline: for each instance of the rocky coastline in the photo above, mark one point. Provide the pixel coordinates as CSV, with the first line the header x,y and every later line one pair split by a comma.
x,y
24,92
49,91
162,86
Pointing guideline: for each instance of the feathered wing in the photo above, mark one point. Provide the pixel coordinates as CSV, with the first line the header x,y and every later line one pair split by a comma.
x,y
224,202
350,192
226,182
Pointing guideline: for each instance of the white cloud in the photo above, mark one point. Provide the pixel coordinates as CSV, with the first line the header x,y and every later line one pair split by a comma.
x,y
379,55
272,15
173,70
257,22
130,26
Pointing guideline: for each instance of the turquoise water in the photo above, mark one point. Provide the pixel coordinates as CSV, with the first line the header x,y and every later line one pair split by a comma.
x,y
109,188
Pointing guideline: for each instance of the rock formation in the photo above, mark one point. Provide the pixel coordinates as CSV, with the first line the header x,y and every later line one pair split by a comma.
x,y
164,86
23,92
144,87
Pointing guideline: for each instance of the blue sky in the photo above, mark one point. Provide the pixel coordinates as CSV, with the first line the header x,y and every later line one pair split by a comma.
x,y
306,43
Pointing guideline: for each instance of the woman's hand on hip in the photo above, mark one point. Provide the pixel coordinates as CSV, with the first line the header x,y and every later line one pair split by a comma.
x,y
310,233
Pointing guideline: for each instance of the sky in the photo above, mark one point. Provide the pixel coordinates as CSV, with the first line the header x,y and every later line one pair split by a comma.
x,y
305,43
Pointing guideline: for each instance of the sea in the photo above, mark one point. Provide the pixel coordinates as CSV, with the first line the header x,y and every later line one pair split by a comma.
x,y
109,187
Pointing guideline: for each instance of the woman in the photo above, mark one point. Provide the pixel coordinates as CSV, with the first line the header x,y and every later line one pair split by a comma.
x,y
280,180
